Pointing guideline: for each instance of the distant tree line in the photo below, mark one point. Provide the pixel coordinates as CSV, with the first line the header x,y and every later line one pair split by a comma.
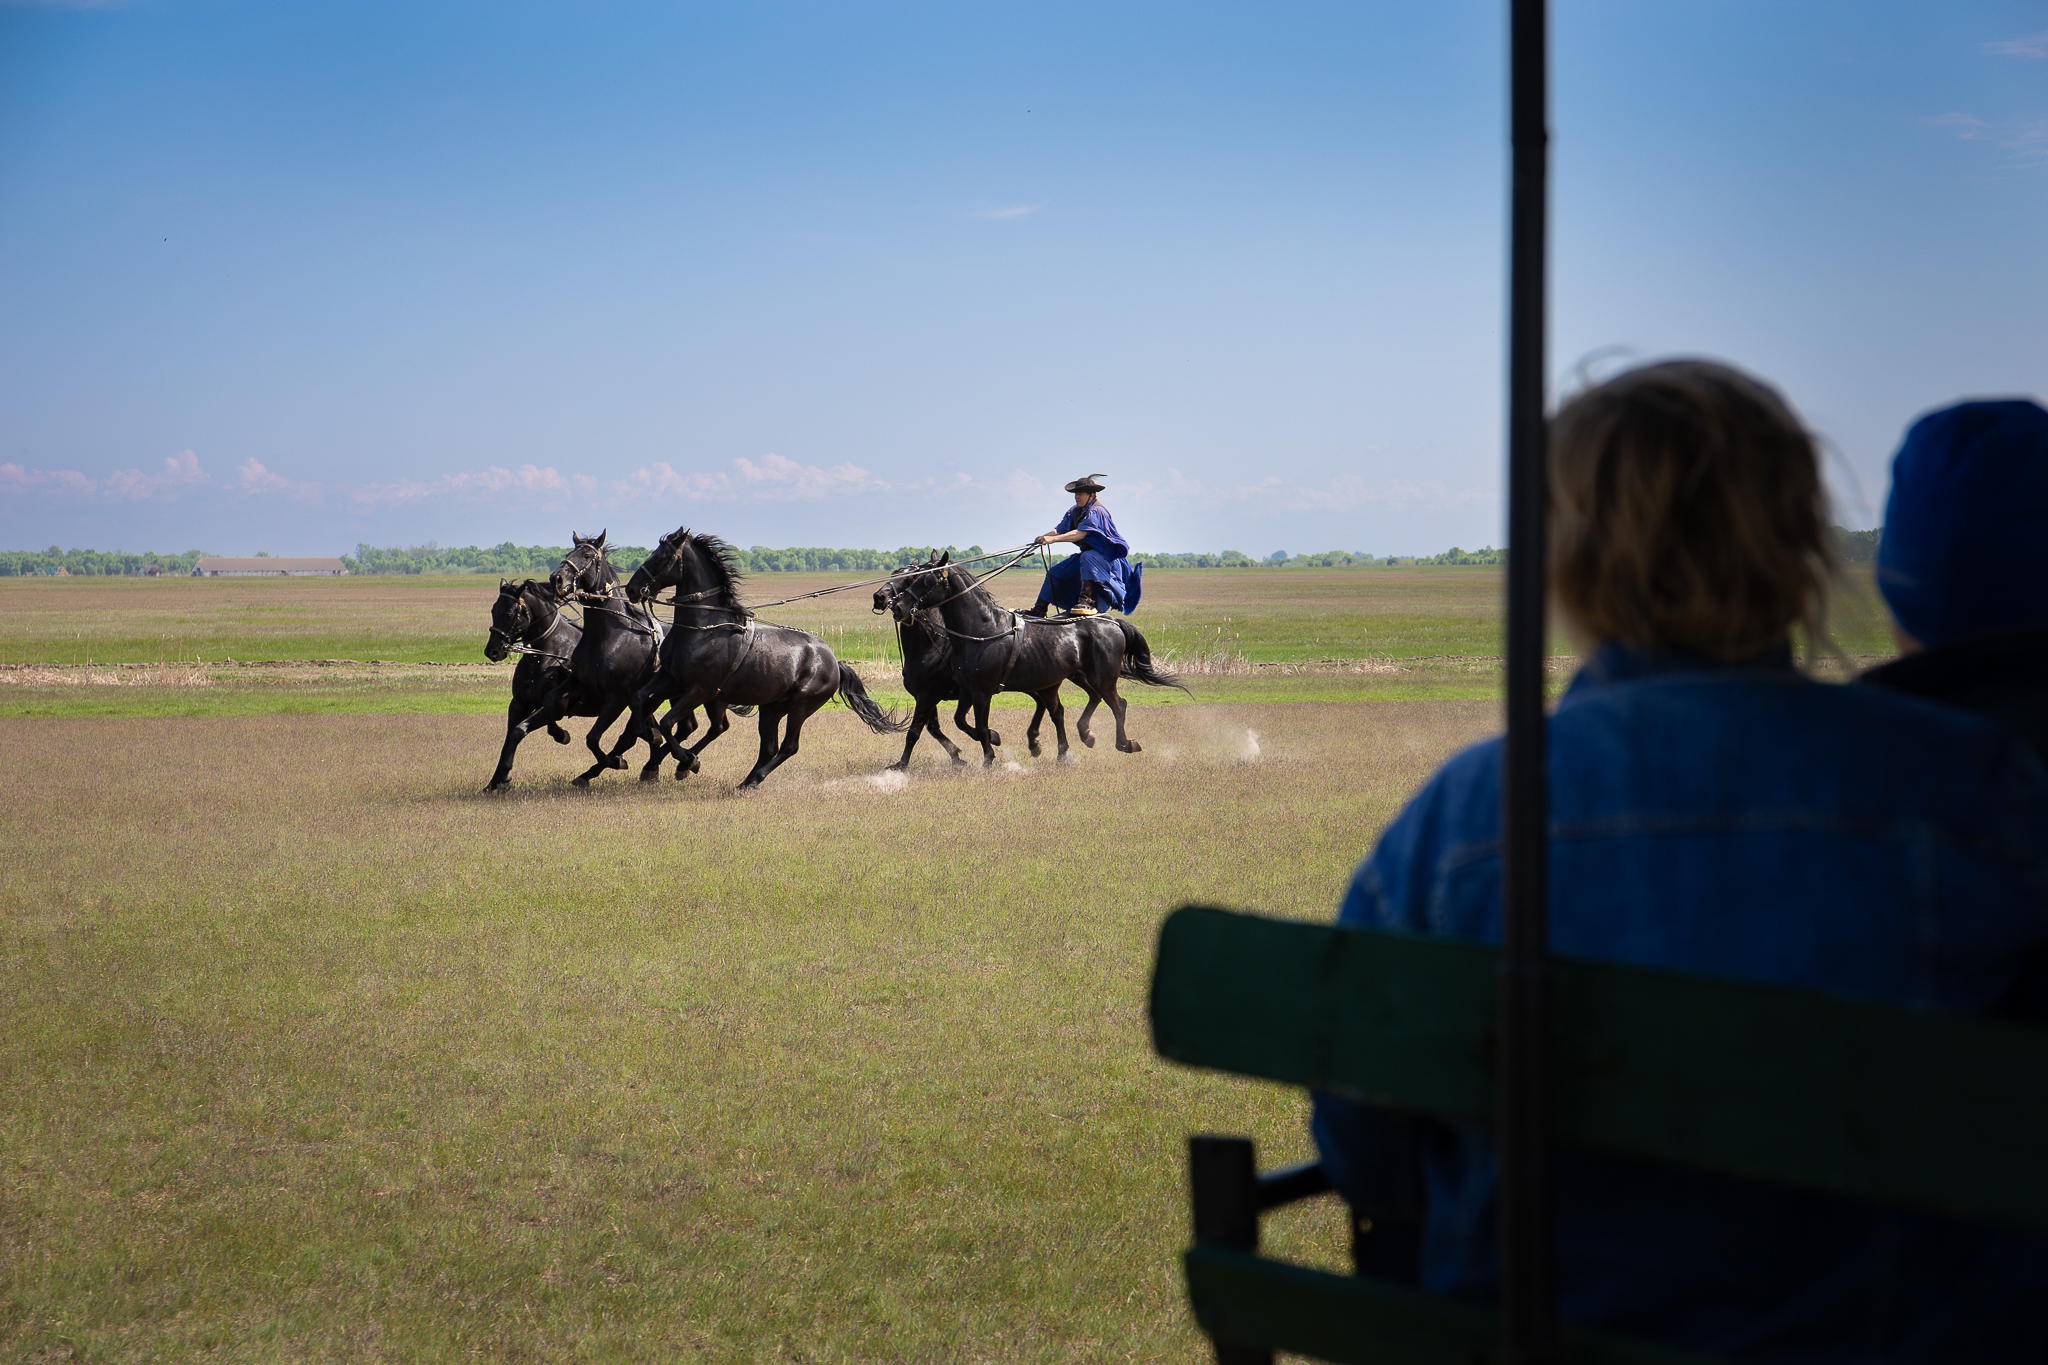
x,y
1327,559
93,563
1857,547
514,561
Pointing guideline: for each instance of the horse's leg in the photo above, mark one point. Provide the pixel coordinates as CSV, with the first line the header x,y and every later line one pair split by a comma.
x,y
792,734
629,735
1124,742
1050,700
610,713
1037,718
593,740
651,694
1081,721
764,762
632,734
553,707
558,734
988,749
676,725
715,724
501,780
931,726
925,714
967,726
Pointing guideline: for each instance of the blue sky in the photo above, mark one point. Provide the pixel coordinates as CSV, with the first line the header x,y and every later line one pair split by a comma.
x,y
294,277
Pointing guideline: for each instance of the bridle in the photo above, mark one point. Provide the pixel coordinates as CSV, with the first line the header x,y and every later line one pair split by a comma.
x,y
640,622
512,640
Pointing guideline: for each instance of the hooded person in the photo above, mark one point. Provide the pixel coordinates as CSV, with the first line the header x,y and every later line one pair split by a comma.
x,y
1102,574
1962,565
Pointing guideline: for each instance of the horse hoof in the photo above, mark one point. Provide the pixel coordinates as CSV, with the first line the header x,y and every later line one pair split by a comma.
x,y
1131,746
696,764
959,762
649,774
559,736
497,789
579,782
902,767
995,738
1036,748
1088,740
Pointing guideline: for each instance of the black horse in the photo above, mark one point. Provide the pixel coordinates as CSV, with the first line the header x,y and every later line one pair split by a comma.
x,y
525,614
613,660
928,674
995,650
716,654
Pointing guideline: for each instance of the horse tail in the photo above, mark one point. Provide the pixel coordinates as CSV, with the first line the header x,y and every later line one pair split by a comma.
x,y
855,696
1138,660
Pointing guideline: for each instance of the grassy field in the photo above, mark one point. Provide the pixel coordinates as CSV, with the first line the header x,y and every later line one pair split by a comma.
x,y
311,1054
307,1052
413,644
1261,615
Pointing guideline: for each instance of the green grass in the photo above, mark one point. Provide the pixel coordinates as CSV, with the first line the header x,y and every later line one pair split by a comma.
x,y
1257,615
1240,630
307,1052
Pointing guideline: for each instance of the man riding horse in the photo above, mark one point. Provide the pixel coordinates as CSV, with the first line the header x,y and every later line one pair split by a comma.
x,y
1102,574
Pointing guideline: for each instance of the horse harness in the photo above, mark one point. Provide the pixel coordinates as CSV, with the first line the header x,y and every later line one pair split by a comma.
x,y
516,644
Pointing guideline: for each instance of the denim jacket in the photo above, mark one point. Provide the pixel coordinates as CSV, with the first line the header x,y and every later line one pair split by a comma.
x,y
1741,822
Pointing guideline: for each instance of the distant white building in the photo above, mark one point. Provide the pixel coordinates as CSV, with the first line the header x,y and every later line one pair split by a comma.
x,y
267,566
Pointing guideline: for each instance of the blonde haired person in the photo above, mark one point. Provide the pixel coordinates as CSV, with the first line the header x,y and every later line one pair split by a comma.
x,y
1715,811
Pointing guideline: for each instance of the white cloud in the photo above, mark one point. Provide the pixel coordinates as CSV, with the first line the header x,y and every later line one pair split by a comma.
x,y
1968,127
180,473
1005,214
528,481
773,478
2033,45
252,477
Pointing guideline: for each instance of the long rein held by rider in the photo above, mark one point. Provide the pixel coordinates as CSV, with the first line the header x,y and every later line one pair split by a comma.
x,y
694,601
972,584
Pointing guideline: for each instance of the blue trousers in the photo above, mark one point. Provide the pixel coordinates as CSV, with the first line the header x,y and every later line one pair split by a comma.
x,y
1116,581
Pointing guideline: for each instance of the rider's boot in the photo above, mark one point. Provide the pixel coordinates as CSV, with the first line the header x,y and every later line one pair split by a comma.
x,y
1041,609
1086,606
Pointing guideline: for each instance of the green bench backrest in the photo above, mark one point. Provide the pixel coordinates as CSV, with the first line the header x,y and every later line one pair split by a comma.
x,y
1875,1102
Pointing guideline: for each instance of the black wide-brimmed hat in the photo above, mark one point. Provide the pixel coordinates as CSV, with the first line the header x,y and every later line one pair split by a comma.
x,y
1085,484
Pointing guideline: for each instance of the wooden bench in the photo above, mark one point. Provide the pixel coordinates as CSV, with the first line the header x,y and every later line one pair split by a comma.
x,y
1935,1111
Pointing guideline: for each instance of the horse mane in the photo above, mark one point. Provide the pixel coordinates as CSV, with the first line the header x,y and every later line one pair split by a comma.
x,y
724,563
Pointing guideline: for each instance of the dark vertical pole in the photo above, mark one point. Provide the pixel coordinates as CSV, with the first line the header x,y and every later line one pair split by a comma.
x,y
1223,1183
1528,1299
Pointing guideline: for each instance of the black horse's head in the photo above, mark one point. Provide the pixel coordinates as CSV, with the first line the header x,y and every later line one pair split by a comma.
x,y
894,596
584,568
655,571
703,570
513,618
923,585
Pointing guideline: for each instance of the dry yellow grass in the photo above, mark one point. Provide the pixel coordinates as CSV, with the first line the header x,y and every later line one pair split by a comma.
x,y
307,1052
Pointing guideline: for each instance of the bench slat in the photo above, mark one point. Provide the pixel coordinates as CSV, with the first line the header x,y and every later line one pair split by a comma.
x,y
1241,1298
1871,1101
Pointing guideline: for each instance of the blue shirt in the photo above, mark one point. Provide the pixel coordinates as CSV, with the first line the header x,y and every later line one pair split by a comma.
x,y
1102,536
1753,824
